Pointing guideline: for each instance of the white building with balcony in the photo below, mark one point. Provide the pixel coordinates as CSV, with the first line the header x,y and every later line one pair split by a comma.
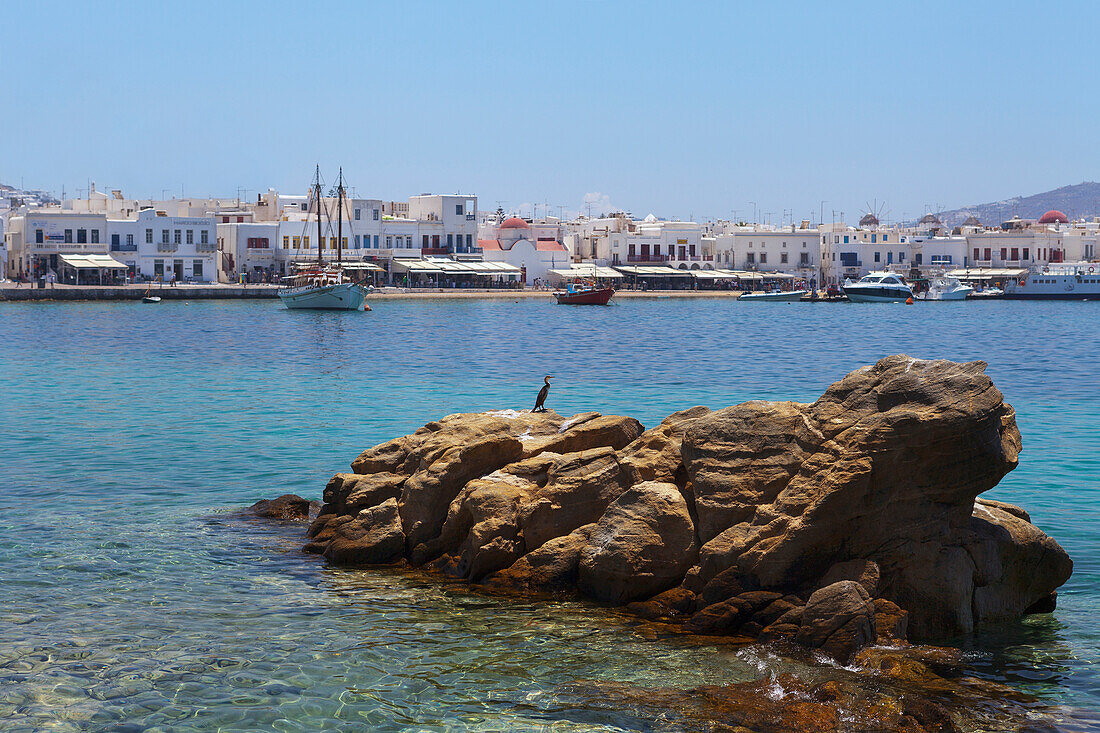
x,y
456,216
154,245
792,251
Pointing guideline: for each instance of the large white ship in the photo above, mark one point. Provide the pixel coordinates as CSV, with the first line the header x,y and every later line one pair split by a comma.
x,y
1068,281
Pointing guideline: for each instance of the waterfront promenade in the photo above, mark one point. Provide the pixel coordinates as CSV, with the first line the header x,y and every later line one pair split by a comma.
x,y
221,291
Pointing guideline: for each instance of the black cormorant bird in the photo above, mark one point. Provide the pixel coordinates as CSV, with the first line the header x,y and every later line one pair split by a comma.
x,y
542,396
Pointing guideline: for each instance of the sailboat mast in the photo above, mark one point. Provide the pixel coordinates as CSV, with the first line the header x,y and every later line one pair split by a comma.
x,y
340,216
320,235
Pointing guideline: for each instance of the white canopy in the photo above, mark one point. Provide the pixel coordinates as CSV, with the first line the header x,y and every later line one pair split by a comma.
x,y
644,271
581,270
450,267
97,262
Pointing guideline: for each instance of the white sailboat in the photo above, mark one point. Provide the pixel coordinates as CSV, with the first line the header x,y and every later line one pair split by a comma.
x,y
325,286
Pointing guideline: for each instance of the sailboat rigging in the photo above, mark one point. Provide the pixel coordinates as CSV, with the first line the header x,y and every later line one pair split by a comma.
x,y
325,287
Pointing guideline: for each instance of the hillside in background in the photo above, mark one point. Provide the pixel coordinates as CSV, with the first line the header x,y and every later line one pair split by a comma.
x,y
1079,201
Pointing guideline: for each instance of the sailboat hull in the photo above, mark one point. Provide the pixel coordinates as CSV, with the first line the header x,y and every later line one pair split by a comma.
x,y
340,297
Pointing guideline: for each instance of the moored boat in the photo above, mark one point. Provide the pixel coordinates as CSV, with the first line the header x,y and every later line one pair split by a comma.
x,y
1080,281
778,296
325,287
878,287
945,287
583,294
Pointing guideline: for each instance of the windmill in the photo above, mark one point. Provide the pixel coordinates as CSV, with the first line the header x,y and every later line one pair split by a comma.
x,y
873,218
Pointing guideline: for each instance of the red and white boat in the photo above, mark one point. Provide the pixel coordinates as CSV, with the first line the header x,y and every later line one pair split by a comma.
x,y
583,294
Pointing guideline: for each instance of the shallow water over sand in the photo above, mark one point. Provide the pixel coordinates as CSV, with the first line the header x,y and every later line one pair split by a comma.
x,y
132,596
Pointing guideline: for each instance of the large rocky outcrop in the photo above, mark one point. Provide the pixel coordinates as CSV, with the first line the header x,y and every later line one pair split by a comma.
x,y
835,523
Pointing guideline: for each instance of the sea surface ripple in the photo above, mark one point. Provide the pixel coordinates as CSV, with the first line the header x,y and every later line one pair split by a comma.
x,y
133,598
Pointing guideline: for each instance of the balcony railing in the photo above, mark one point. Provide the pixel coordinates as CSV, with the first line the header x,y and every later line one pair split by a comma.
x,y
124,248
647,258
434,251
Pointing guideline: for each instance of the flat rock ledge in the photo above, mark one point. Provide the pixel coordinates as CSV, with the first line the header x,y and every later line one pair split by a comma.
x,y
852,521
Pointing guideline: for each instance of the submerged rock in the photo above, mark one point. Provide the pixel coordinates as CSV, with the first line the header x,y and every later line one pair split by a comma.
x,y
864,503
287,506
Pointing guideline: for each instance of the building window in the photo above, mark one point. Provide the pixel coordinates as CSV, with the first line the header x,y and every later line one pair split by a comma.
x,y
190,236
630,250
1015,254
82,236
901,257
1004,253
376,241
148,236
297,242
357,241
763,258
389,241
376,215
196,268
38,237
876,256
114,240
305,242
95,236
656,250
69,236
204,236
458,209
1026,253
750,258
177,236
885,237
805,259
357,214
782,258
976,253
469,242
158,268
425,242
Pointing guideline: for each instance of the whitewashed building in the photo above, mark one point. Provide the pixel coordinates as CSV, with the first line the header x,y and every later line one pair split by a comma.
x,y
157,246
535,248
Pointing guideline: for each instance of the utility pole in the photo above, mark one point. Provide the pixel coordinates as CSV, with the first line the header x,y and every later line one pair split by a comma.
x,y
753,212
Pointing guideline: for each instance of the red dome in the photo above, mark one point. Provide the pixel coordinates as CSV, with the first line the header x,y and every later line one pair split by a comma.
x,y
514,223
1054,217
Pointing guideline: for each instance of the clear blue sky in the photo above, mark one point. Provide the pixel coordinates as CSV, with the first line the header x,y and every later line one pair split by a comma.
x,y
680,109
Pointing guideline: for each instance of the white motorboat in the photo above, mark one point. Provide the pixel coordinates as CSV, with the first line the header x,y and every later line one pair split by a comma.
x,y
778,296
325,287
878,287
945,287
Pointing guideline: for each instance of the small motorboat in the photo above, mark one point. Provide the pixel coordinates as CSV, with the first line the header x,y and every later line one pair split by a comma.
x,y
778,296
878,287
151,299
945,287
583,294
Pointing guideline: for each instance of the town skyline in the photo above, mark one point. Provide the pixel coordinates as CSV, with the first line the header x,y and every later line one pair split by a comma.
x,y
682,115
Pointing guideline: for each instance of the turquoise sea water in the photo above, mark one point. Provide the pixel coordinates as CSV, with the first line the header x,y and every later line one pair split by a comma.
x,y
132,598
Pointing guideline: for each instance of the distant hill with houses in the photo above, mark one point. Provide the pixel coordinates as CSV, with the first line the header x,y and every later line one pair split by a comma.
x,y
1078,201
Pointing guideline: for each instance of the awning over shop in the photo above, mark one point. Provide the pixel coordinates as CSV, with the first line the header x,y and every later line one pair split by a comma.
x,y
643,271
714,274
588,271
985,273
745,275
368,266
450,267
93,262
